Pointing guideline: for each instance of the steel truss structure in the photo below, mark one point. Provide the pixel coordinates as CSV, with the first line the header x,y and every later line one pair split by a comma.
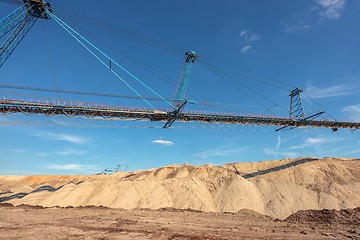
x,y
29,108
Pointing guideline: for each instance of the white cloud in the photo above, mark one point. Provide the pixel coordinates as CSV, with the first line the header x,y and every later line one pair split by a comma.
x,y
14,150
248,39
333,91
221,153
163,142
42,154
246,48
278,143
315,142
63,137
270,151
72,167
351,152
248,36
331,9
71,152
243,33
299,26
319,11
276,152
353,111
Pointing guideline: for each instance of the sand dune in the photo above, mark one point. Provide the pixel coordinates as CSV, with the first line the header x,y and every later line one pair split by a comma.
x,y
274,188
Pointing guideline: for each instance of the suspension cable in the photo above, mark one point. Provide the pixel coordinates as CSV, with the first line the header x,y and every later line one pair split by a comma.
x,y
20,15
97,57
311,98
228,78
105,26
108,57
250,71
13,12
78,92
148,68
50,60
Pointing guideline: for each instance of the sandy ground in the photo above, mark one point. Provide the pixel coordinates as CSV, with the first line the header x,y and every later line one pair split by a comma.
x,y
276,188
29,222
233,201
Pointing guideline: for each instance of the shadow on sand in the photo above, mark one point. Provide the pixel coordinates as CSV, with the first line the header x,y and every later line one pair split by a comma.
x,y
47,188
274,169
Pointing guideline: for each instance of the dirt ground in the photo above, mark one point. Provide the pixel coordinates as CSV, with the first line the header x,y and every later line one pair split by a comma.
x,y
31,222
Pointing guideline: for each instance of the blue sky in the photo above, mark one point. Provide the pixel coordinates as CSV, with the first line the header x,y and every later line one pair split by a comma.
x,y
252,53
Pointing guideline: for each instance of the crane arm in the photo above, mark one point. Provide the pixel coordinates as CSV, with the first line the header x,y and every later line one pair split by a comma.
x,y
12,20
190,58
15,38
20,22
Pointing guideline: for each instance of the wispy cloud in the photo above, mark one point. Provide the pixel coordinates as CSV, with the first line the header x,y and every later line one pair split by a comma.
x,y
316,13
353,112
163,142
315,142
248,40
331,9
72,167
42,154
278,144
351,152
300,26
332,91
13,150
246,48
276,152
71,152
289,154
221,153
63,137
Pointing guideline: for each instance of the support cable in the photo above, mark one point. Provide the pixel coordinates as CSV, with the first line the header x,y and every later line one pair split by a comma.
x,y
16,37
143,65
256,77
7,24
249,71
311,98
97,57
50,60
12,13
113,61
228,78
78,92
105,26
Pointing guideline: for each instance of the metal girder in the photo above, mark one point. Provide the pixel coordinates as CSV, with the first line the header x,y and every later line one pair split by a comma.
x,y
12,20
296,106
174,115
15,38
13,106
190,58
21,20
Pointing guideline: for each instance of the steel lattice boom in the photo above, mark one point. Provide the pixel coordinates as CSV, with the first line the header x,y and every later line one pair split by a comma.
x,y
18,23
13,106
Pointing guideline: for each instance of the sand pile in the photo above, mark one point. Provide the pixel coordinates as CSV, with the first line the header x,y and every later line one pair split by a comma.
x,y
274,188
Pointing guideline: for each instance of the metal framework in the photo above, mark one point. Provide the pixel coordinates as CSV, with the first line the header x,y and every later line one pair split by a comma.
x,y
13,106
190,58
297,111
17,24
20,22
179,99
296,105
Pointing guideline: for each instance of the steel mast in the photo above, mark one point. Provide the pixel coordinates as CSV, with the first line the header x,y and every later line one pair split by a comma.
x,y
179,99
